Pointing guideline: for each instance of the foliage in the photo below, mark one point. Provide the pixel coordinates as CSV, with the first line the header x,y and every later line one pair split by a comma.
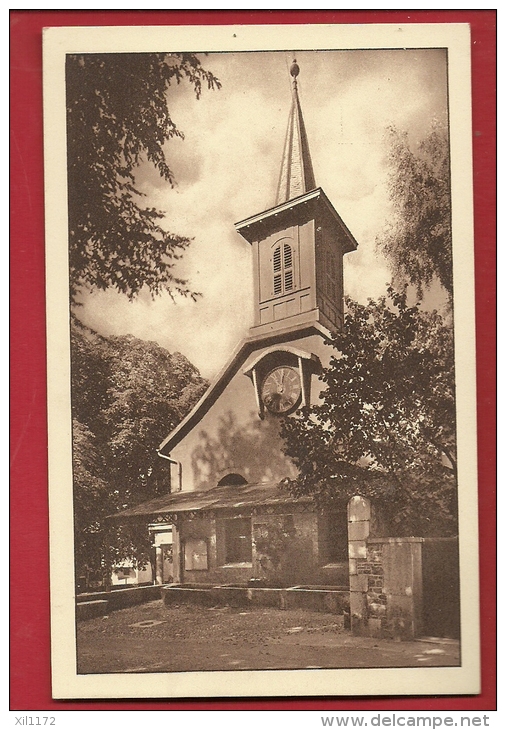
x,y
117,118
91,498
272,542
417,239
386,425
126,395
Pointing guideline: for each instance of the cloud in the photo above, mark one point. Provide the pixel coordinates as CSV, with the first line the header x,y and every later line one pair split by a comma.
x,y
227,169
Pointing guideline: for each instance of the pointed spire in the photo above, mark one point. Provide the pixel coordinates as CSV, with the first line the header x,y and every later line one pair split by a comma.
x,y
297,175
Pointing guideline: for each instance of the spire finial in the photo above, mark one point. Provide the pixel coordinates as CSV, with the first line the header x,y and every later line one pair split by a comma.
x,y
297,175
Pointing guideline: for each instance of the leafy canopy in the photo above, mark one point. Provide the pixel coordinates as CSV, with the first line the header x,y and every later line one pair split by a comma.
x,y
417,240
126,395
118,117
386,425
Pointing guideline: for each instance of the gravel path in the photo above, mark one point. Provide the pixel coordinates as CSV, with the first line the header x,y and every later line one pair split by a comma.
x,y
204,624
153,638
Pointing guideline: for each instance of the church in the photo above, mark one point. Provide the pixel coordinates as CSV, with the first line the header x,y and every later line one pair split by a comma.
x,y
225,514
227,529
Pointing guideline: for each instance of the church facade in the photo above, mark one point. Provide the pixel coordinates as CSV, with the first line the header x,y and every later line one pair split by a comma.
x,y
228,519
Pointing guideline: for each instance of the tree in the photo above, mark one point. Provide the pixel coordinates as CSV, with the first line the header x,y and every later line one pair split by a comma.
x,y
92,500
386,425
126,395
118,117
417,239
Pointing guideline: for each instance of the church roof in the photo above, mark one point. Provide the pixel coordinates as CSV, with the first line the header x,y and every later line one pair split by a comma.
x,y
243,496
236,361
297,176
257,225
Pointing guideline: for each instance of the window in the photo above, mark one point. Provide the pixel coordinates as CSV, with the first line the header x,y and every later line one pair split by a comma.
x,y
232,480
195,554
282,265
335,536
124,573
238,540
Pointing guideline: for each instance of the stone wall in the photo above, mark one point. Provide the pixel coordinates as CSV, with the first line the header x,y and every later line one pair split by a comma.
x,y
386,591
89,605
326,601
392,593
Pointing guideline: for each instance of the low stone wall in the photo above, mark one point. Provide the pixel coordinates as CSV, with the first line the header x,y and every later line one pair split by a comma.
x,y
386,589
327,601
87,604
270,597
90,609
400,587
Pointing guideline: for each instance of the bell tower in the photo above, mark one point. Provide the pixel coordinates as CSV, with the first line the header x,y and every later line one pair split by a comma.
x,y
298,245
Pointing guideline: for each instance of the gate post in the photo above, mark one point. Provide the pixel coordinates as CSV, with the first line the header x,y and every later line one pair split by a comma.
x,y
385,577
359,525
158,565
177,555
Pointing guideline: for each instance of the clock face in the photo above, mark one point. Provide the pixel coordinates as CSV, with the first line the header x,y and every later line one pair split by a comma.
x,y
281,390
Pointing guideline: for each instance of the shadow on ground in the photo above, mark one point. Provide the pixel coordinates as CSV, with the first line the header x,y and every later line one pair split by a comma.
x,y
153,638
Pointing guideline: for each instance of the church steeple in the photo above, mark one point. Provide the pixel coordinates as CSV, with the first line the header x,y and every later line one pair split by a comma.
x,y
298,246
297,175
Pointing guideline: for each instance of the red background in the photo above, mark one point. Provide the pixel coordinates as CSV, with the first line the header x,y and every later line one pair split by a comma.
x,y
30,641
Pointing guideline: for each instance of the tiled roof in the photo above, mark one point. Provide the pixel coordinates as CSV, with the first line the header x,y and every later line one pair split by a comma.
x,y
229,497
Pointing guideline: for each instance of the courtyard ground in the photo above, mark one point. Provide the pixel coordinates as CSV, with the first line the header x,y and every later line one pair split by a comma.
x,y
153,638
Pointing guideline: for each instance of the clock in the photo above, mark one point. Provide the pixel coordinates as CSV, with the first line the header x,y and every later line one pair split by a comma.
x,y
281,390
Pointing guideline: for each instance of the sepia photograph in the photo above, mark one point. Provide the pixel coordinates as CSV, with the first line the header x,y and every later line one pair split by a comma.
x,y
261,385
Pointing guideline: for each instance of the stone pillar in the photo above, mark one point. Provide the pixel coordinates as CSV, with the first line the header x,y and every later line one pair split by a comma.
x,y
158,565
176,554
385,577
212,556
359,524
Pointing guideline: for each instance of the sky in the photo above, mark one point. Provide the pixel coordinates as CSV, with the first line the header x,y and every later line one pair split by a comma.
x,y
227,169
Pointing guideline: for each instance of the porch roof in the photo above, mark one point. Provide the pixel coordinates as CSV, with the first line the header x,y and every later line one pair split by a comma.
x,y
225,497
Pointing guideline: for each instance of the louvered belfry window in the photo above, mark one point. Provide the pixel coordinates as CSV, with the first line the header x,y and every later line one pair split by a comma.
x,y
282,264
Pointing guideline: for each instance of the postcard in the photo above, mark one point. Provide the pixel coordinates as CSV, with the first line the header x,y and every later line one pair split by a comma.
x,y
261,361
